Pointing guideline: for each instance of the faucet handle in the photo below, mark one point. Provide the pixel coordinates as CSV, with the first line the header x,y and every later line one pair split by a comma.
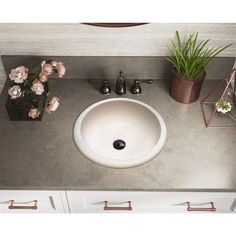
x,y
136,88
105,88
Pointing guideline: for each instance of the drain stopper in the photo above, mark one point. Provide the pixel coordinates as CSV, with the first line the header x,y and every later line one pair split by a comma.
x,y
119,144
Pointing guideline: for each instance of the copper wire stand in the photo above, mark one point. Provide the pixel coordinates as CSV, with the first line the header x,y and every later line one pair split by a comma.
x,y
229,80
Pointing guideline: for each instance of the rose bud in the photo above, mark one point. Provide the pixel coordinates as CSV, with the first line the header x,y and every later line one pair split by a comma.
x,y
43,78
43,63
33,113
47,69
53,104
61,70
54,63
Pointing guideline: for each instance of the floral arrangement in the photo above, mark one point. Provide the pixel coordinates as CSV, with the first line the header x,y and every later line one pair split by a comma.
x,y
29,88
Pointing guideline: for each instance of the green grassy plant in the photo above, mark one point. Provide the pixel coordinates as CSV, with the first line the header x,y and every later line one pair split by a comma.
x,y
189,59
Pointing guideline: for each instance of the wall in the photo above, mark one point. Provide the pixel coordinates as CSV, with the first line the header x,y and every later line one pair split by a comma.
x,y
84,40
108,67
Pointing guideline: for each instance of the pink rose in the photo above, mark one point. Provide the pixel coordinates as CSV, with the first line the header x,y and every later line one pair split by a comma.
x,y
19,74
14,92
37,87
47,69
34,113
61,70
43,78
53,104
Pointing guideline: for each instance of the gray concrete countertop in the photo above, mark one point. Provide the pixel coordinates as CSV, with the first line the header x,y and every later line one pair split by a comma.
x,y
42,155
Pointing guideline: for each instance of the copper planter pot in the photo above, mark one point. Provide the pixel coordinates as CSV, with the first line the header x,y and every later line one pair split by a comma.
x,y
185,91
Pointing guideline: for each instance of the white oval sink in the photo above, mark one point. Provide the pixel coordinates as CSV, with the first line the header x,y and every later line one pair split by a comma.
x,y
120,132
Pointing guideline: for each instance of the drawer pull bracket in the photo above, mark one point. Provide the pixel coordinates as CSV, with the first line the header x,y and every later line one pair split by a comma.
x,y
125,208
33,207
212,208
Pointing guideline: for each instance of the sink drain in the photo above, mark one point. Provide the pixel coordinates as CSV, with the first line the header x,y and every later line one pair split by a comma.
x,y
119,144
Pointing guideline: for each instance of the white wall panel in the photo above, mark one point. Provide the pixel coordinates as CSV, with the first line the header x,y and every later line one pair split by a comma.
x,y
84,40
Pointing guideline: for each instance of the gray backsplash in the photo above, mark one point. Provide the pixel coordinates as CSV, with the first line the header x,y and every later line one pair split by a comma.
x,y
107,67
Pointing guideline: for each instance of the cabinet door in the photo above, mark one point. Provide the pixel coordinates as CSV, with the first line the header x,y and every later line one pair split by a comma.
x,y
94,201
196,202
120,202
33,201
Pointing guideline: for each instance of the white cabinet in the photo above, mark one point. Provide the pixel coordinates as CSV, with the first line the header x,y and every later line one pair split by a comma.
x,y
24,201
119,201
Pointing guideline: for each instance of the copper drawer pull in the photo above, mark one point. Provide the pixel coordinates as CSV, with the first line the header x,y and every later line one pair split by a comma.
x,y
127,208
34,207
212,208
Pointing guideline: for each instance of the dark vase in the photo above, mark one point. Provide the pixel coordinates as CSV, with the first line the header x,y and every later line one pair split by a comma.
x,y
185,90
18,108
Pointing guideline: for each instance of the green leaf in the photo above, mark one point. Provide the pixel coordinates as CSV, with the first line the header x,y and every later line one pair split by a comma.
x,y
178,38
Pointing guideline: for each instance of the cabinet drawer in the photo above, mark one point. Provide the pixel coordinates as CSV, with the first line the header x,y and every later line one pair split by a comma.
x,y
116,201
33,202
94,201
206,202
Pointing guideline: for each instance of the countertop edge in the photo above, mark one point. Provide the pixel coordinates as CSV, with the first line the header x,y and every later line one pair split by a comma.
x,y
69,188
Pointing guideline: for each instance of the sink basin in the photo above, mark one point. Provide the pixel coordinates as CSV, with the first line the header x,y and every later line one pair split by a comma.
x,y
120,132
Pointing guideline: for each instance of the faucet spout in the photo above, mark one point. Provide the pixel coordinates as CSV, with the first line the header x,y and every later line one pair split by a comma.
x,y
120,84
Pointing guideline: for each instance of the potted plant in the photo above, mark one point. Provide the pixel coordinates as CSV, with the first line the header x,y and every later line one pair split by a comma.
x,y
223,106
189,61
